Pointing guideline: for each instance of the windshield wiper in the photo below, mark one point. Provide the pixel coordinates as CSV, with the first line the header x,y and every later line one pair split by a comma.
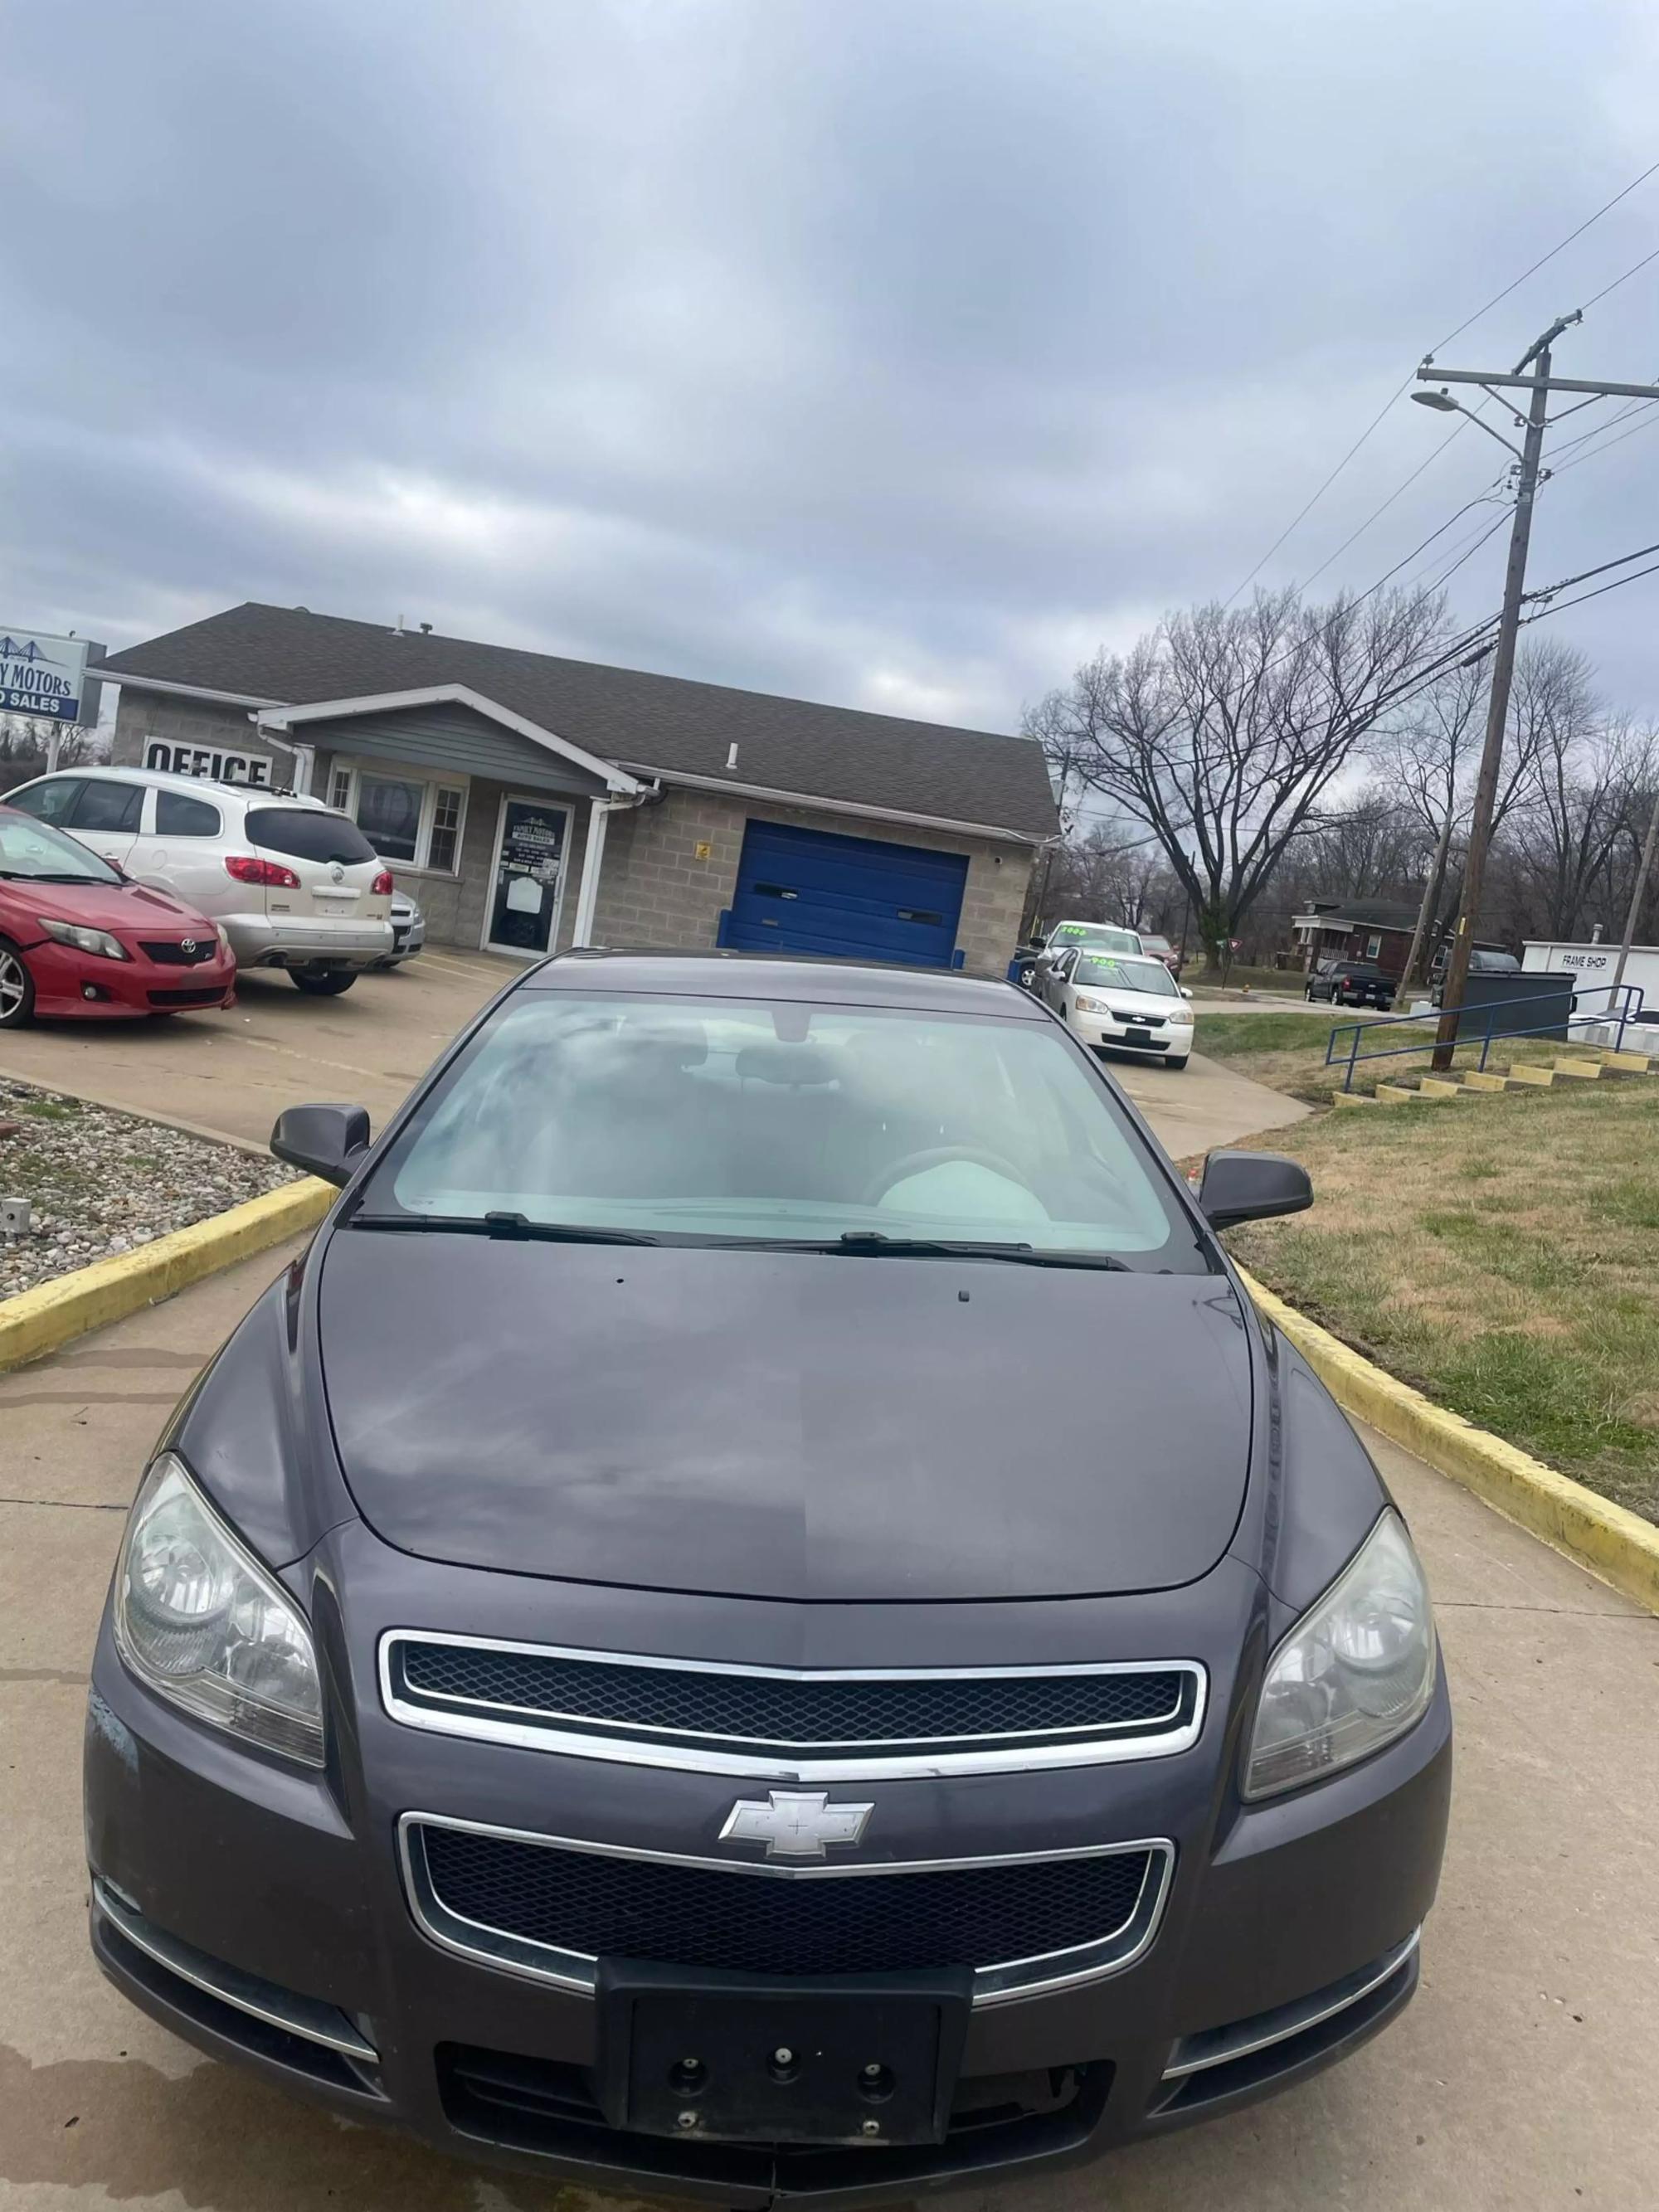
x,y
877,1241
511,1227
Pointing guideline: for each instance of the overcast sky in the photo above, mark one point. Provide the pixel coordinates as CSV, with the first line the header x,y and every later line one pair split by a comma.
x,y
893,352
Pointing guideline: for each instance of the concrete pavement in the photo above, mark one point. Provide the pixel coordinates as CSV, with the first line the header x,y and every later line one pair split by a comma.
x,y
1520,2079
233,1074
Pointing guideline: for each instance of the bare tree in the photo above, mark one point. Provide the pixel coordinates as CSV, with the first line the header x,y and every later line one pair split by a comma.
x,y
25,742
1582,786
1224,731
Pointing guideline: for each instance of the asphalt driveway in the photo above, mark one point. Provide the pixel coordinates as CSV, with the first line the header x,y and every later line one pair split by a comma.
x,y
1520,2080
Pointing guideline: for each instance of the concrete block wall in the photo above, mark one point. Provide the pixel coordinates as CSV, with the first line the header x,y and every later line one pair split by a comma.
x,y
142,715
654,889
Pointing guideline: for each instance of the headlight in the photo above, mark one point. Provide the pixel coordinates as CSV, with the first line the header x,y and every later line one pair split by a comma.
x,y
200,1621
86,940
1356,1671
1085,1004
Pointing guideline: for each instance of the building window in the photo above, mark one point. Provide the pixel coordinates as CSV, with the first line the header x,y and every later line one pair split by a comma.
x,y
404,818
1373,948
444,838
389,815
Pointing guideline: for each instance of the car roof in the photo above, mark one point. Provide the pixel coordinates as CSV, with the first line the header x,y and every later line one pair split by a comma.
x,y
774,975
165,778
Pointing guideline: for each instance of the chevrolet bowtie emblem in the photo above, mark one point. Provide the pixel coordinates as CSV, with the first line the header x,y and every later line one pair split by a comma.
x,y
794,1824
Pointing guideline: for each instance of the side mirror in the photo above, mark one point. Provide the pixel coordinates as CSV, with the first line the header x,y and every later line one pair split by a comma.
x,y
1252,1186
1185,992
329,1141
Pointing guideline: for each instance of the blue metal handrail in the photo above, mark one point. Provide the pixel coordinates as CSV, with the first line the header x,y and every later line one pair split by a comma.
x,y
1628,995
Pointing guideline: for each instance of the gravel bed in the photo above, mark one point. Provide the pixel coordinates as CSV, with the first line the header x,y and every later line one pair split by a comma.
x,y
100,1182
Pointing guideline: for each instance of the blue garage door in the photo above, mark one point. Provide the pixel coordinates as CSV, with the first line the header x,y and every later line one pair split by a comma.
x,y
853,898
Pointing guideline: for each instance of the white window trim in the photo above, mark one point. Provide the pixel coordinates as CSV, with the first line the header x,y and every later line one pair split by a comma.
x,y
431,785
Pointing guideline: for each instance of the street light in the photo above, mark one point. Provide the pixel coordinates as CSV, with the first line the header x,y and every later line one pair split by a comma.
x,y
1443,403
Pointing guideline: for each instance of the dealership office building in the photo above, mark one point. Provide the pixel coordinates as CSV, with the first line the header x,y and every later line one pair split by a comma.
x,y
528,804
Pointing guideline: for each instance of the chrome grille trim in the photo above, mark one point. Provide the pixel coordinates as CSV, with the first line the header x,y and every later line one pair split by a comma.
x,y
597,1736
309,2018
1218,2047
998,1984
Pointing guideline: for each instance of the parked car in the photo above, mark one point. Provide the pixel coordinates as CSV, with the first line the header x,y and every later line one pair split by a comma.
x,y
77,939
1483,961
1071,937
679,1697
1161,949
1116,1004
408,931
1351,983
297,885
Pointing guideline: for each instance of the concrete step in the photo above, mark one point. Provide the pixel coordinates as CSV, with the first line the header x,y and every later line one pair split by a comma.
x,y
1580,1070
1391,1094
1441,1086
1483,1078
1531,1071
1351,1098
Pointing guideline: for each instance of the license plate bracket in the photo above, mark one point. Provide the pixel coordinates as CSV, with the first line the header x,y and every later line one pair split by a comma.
x,y
861,2048
1137,1036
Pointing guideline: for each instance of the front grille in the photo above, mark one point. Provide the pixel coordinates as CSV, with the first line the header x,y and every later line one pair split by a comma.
x,y
176,954
186,998
556,1898
1141,1021
748,1720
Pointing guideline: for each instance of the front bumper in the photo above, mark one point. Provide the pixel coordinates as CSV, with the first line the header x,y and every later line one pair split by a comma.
x,y
1100,1033
1286,1937
70,983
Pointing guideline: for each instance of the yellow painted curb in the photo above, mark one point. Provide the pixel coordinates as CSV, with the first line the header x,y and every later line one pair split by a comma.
x,y
37,1322
1617,1545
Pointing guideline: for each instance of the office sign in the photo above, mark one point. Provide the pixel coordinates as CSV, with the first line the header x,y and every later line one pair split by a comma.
x,y
44,677
211,762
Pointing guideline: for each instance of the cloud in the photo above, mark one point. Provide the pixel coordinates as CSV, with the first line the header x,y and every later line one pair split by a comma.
x,y
896,355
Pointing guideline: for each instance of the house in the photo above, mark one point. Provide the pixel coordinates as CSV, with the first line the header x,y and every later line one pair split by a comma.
x,y
1378,930
531,803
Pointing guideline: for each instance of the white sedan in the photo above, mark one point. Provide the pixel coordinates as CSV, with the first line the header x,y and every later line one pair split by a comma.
x,y
1114,1002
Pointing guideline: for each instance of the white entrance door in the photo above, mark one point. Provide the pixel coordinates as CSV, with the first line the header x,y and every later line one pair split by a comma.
x,y
526,887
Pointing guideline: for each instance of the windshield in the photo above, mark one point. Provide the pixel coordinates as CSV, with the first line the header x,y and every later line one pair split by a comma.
x,y
1150,975
37,852
690,1118
1095,933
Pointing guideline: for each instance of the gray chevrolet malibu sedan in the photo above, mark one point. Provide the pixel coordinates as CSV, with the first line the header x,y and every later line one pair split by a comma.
x,y
761,1618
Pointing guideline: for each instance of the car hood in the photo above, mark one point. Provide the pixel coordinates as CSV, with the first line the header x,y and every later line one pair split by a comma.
x,y
786,1424
126,907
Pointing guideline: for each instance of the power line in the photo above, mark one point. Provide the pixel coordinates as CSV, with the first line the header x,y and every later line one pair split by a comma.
x,y
1625,279
1549,256
1303,513
1378,512
1645,408
1446,574
1584,574
1653,569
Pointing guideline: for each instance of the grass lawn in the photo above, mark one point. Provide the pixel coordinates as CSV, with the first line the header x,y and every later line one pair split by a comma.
x,y
1502,1255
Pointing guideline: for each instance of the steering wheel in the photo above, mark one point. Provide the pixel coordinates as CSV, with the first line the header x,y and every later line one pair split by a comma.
x,y
940,1156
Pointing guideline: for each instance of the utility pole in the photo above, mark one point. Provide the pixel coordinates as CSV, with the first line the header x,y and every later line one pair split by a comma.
x,y
1539,387
1642,871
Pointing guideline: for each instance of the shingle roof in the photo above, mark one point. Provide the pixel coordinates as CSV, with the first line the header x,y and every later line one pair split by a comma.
x,y
1373,914
661,723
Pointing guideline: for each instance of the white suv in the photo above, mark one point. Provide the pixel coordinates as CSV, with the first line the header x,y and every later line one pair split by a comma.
x,y
297,885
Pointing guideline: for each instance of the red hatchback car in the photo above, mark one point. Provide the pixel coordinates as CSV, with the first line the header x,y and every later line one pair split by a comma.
x,y
77,937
